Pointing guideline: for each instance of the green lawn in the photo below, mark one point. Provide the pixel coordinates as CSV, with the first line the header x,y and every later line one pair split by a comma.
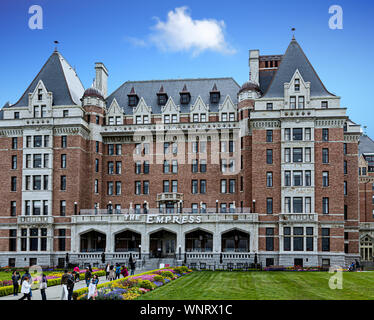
x,y
267,285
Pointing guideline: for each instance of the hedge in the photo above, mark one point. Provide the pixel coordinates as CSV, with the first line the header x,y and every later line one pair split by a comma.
x,y
7,290
81,291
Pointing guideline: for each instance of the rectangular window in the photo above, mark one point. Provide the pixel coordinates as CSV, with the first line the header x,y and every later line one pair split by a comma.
x,y
195,117
269,205
63,141
174,185
27,207
287,239
118,149
232,184
297,85
287,155
33,244
309,240
118,167
28,141
63,161
269,106
308,204
325,239
166,186
195,165
232,116
12,241
65,113
297,205
308,154
14,162
138,187
297,134
111,149
110,188
138,167
325,155
202,117
63,208
203,186
308,178
223,186
345,212
345,167
324,104
287,204
37,182
325,179
308,135
61,239
344,148
301,103
345,188
231,146
27,182
287,178
166,166
118,187
14,143
269,156
269,239
292,102
325,134
16,115
298,242
38,141
37,161
13,208
174,166
145,187
297,154
146,167
287,134
166,147
325,205
202,165
96,186
297,178
45,182
269,179
13,184
36,207
194,186
224,117
174,118
269,135
97,146
63,183
46,160
96,165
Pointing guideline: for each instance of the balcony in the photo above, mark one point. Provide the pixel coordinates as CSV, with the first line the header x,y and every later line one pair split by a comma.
x,y
170,196
298,217
35,220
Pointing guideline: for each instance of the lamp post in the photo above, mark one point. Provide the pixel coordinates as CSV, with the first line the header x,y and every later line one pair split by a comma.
x,y
254,206
75,208
180,252
140,251
110,207
216,206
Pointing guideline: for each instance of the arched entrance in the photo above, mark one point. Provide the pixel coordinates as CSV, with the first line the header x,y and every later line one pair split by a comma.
x,y
92,241
162,244
235,241
127,241
366,248
199,241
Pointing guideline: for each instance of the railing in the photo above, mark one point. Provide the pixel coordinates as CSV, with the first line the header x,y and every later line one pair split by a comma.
x,y
298,217
84,212
35,219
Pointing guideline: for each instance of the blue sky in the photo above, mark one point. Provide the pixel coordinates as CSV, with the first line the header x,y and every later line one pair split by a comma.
x,y
136,41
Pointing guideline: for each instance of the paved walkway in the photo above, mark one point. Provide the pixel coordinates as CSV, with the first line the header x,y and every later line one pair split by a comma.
x,y
54,293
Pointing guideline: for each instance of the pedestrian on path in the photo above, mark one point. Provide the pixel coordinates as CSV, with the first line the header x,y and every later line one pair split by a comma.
x,y
87,276
43,286
92,288
118,271
107,269
15,279
64,281
26,289
124,271
70,284
111,273
76,272
133,266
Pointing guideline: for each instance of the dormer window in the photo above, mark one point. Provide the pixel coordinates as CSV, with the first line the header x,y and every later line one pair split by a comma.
x,y
324,104
215,95
133,98
185,96
40,95
292,102
301,103
297,84
162,97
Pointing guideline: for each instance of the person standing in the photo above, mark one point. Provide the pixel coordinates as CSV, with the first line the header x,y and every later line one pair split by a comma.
x,y
111,273
15,278
133,266
118,271
124,271
70,284
26,289
92,288
64,281
43,286
107,269
76,272
87,276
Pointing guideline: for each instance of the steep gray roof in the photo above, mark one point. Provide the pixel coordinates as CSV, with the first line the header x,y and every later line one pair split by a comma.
x,y
265,77
294,59
60,79
366,145
197,87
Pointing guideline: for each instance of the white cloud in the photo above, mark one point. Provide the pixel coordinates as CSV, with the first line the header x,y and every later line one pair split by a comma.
x,y
181,33
136,42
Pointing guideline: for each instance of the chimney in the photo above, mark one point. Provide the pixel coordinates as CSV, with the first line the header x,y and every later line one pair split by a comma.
x,y
254,65
101,80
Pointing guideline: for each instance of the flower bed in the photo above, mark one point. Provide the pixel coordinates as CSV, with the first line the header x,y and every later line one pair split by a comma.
x,y
53,279
131,287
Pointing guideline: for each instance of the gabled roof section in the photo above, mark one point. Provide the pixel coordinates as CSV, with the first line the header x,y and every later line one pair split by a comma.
x,y
197,87
366,145
294,59
60,78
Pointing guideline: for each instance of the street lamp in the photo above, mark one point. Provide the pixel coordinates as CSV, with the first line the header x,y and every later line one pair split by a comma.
x,y
75,208
254,206
180,252
216,206
140,251
110,207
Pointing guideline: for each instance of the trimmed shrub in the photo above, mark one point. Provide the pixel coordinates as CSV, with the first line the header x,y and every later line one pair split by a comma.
x,y
146,284
159,278
167,274
181,269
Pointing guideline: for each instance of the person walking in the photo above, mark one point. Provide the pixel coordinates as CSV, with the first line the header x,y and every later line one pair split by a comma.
x,y
92,288
76,273
15,279
87,276
64,281
43,286
133,266
26,288
107,269
358,267
111,273
118,271
124,271
70,284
